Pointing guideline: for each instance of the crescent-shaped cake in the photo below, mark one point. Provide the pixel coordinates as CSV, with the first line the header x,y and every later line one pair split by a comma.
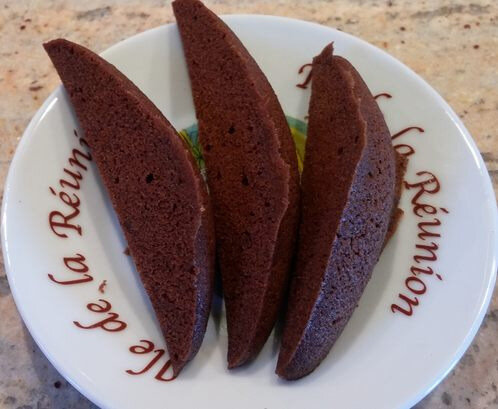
x,y
156,190
252,175
348,196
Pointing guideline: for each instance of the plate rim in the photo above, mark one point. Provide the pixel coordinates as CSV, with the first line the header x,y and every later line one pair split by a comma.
x,y
491,264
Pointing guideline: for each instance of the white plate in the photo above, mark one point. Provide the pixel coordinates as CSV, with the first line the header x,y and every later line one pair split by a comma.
x,y
382,360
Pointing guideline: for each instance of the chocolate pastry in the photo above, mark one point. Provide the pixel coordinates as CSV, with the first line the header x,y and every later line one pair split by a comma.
x,y
156,190
348,194
251,172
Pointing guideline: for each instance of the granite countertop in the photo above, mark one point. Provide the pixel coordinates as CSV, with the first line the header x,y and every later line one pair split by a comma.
x,y
452,44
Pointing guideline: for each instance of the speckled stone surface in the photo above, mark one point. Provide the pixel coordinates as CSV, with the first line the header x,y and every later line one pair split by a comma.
x,y
452,44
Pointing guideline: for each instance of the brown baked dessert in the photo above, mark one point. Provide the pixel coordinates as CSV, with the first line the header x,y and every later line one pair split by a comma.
x,y
397,213
251,172
348,194
155,188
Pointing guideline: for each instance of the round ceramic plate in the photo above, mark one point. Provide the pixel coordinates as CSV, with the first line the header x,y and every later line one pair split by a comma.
x,y
423,306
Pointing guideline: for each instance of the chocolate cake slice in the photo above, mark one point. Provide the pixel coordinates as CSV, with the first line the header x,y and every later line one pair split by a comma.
x,y
348,194
251,172
155,188
397,213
